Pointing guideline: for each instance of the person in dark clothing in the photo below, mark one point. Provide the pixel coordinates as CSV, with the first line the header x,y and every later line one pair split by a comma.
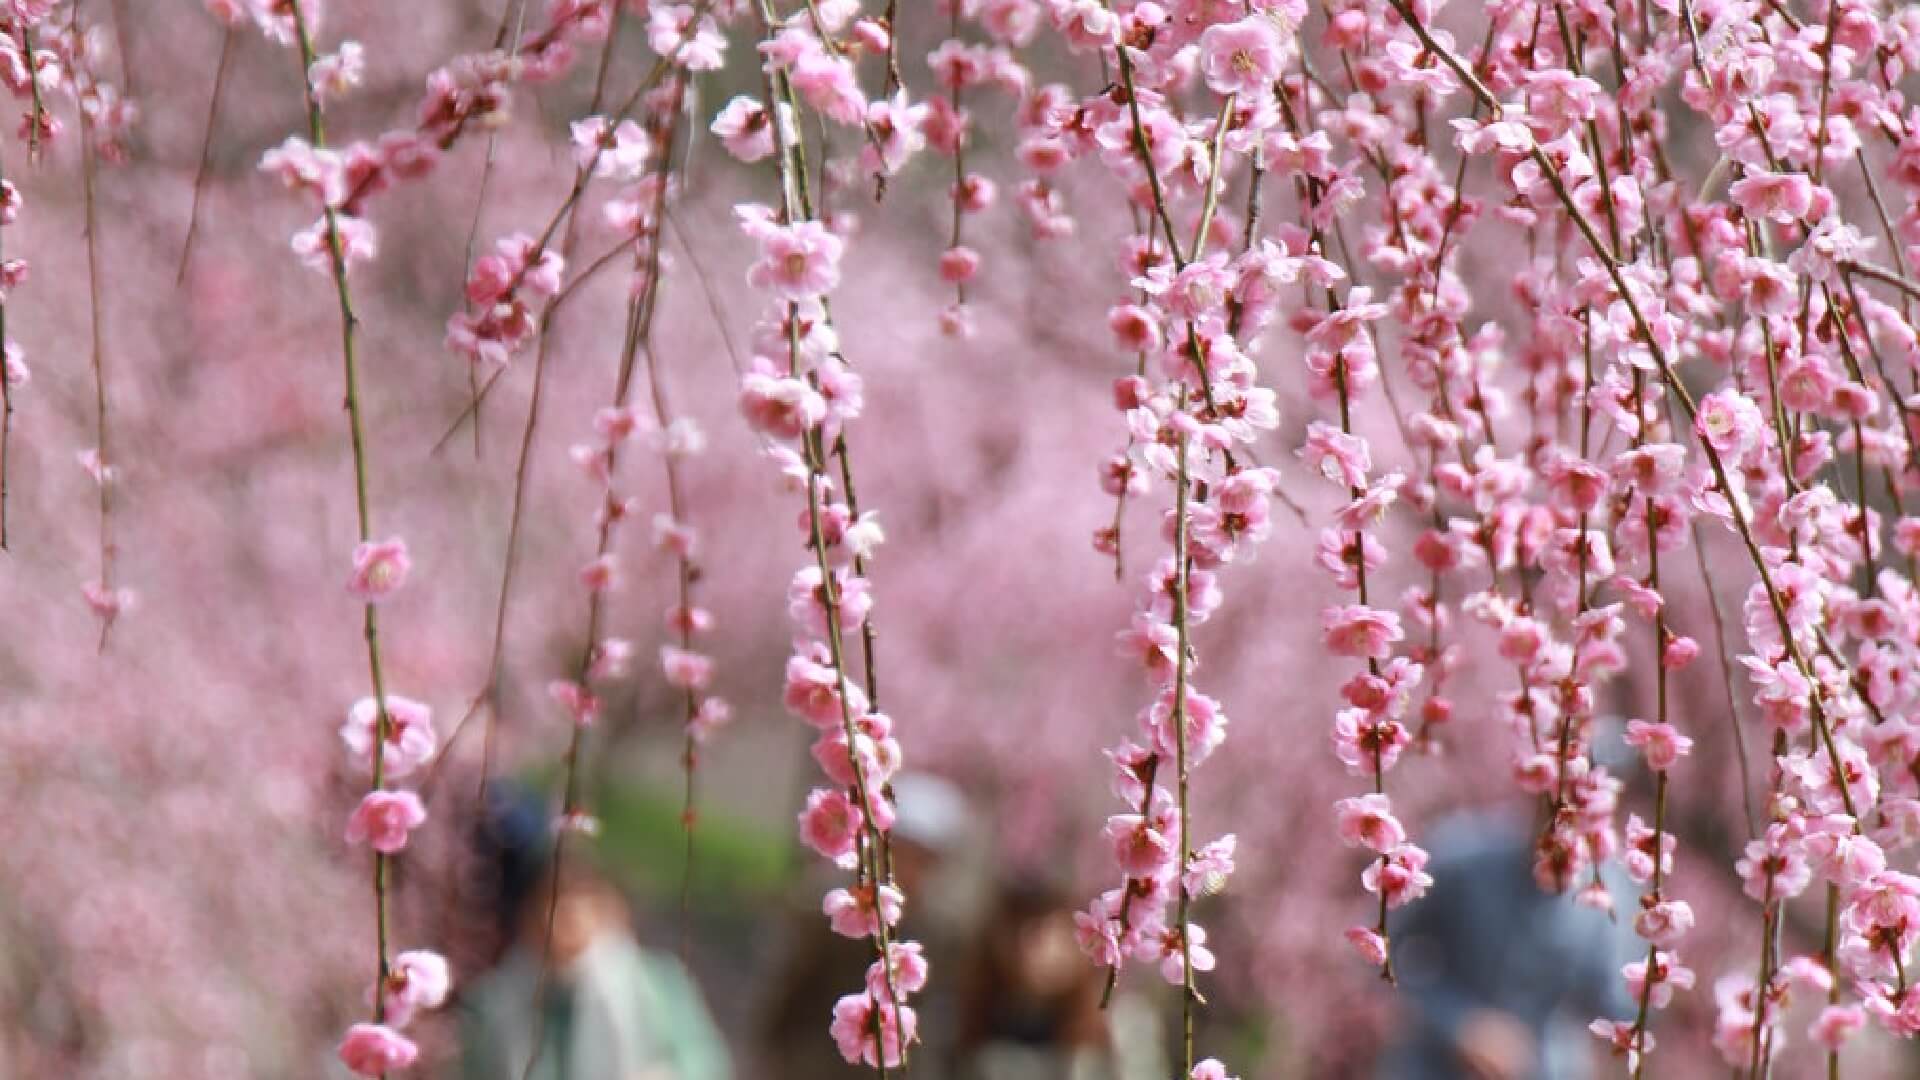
x,y
820,966
1499,976
1030,1005
574,995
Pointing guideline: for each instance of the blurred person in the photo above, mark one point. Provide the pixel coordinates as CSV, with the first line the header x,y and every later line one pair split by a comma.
x,y
603,1008
820,967
1030,1007
1499,976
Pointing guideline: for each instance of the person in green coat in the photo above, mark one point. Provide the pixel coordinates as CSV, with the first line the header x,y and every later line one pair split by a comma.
x,y
600,1008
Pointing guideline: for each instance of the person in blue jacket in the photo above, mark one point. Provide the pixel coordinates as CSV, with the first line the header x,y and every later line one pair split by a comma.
x,y
1498,976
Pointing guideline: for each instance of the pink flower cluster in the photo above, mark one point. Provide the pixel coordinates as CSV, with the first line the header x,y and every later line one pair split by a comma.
x,y
49,56
1555,540
390,736
801,395
1194,410
1642,272
1574,289
15,373
416,980
499,320
636,153
470,92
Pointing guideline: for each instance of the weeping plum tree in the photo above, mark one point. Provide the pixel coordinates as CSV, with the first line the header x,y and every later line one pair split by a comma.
x,y
1562,353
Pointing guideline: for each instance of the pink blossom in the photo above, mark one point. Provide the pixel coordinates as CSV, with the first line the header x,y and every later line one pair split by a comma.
x,y
957,65
1140,849
297,164
712,714
410,736
1359,631
696,43
333,75
581,704
1371,505
359,242
1242,57
1841,855
1193,291
612,151
1368,744
1174,948
1729,422
857,912
516,261
1639,858
1627,1040
1831,244
685,669
376,1049
1664,923
419,979
895,125
1657,983
1780,197
1341,458
1661,744
959,265
1679,652
782,408
602,574
1137,330
1835,1025
1154,642
831,823
1774,866
1400,875
872,34
384,819
1901,1018
1475,137
1370,945
1368,820
1096,932
830,86
813,693
797,262
1204,727
745,128
974,193
1211,866
107,603
853,1030
379,569
905,971
16,372
807,600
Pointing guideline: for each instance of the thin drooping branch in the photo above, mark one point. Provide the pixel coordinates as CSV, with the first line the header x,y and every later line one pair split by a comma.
x,y
601,656
1668,375
106,598
7,368
582,176
229,37
487,699
362,470
516,17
